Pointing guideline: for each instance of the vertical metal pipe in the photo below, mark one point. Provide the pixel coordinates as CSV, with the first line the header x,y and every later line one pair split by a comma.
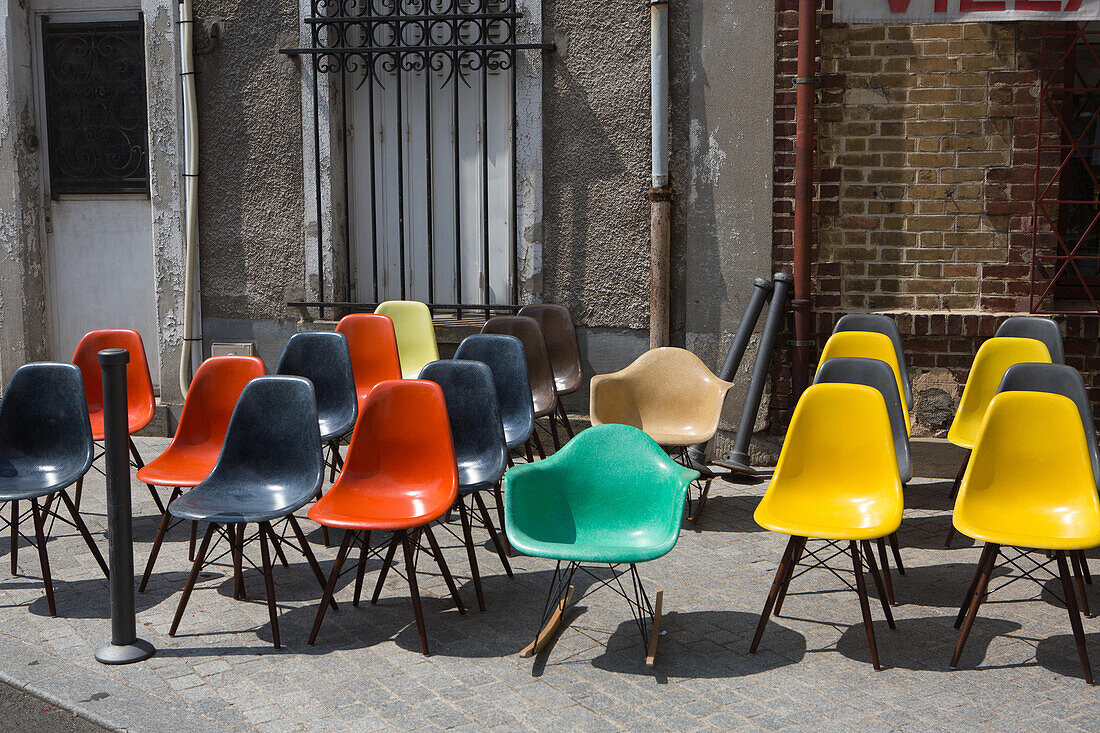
x,y
428,75
485,171
513,259
803,194
456,72
348,285
738,458
660,193
761,290
397,60
125,647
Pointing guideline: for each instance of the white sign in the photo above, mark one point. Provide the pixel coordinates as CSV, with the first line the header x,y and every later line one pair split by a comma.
x,y
953,11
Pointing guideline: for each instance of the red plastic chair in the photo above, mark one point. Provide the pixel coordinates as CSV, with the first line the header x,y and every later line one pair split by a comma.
x,y
194,450
372,342
140,401
399,475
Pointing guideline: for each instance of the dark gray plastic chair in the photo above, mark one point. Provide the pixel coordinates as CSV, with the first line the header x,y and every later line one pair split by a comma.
x,y
877,374
1040,329
480,450
506,360
269,467
45,447
323,358
1066,381
878,323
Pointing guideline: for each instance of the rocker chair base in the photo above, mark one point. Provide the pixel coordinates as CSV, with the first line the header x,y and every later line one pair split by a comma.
x,y
647,616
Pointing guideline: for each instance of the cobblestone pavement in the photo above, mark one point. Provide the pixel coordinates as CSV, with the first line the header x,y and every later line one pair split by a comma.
x,y
1020,670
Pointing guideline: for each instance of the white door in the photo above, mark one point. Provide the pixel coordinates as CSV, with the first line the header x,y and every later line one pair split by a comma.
x,y
430,169
90,77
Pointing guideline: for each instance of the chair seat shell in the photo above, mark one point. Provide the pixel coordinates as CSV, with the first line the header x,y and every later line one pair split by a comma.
x,y
140,399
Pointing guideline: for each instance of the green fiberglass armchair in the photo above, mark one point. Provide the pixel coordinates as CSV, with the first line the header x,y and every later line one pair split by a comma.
x,y
610,497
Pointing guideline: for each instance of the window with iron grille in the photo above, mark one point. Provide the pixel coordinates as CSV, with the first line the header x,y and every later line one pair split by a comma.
x,y
96,113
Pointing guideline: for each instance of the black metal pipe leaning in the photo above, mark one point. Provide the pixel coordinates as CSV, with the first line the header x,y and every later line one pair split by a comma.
x,y
737,460
124,647
762,289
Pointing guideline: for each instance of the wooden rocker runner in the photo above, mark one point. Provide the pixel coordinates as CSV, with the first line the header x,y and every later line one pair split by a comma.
x,y
585,506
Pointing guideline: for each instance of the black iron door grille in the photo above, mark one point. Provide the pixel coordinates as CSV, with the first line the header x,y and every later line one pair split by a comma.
x,y
96,113
402,48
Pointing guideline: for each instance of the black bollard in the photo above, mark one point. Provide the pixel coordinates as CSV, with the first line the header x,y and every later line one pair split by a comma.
x,y
762,289
125,647
737,460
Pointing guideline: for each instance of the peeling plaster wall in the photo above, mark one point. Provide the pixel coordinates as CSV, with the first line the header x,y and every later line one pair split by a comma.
x,y
24,334
251,186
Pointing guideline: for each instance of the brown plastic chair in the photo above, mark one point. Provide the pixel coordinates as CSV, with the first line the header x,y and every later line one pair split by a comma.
x,y
544,395
561,343
671,395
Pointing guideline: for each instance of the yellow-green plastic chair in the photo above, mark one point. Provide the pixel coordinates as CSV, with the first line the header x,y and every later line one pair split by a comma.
x,y
837,479
1029,485
671,395
867,345
993,359
416,344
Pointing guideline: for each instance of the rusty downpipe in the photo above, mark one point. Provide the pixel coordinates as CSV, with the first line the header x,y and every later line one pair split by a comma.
x,y
805,83
660,192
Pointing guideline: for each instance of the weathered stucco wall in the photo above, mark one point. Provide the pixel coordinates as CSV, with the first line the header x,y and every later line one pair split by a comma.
x,y
250,199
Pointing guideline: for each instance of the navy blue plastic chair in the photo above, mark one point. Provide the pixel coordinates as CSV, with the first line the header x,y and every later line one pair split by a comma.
x,y
507,361
480,450
323,358
878,323
45,447
269,467
1040,329
877,374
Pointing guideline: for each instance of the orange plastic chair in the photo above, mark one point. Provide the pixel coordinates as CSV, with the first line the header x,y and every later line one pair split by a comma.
x,y
140,400
194,449
372,342
399,475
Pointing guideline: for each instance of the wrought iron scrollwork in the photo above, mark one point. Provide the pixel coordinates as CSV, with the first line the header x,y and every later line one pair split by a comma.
x,y
96,112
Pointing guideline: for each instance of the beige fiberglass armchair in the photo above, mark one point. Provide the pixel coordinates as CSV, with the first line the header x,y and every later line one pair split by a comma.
x,y
671,395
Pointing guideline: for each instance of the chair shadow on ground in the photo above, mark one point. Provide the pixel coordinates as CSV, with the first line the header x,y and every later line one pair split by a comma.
x,y
934,586
923,644
684,653
935,494
1059,653
930,533
726,513
85,599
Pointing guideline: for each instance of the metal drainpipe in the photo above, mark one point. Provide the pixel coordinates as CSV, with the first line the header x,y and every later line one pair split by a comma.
x,y
803,195
660,192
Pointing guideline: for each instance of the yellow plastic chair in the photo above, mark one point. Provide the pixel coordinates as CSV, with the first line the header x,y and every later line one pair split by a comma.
x,y
1029,485
668,393
837,479
416,344
867,345
993,359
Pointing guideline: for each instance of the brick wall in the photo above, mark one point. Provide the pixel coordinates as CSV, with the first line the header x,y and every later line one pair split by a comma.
x,y
926,155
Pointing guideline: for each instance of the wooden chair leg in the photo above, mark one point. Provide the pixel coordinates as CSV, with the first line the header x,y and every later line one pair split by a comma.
x,y
1082,599
360,571
565,420
83,529
538,443
385,568
269,583
15,538
886,571
498,494
954,493
965,606
442,563
1084,565
330,587
786,580
414,591
780,574
869,553
193,542
975,602
554,430
487,520
655,630
276,545
864,604
236,543
546,633
192,577
162,530
79,491
896,548
470,553
527,450
1074,615
43,556
307,552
